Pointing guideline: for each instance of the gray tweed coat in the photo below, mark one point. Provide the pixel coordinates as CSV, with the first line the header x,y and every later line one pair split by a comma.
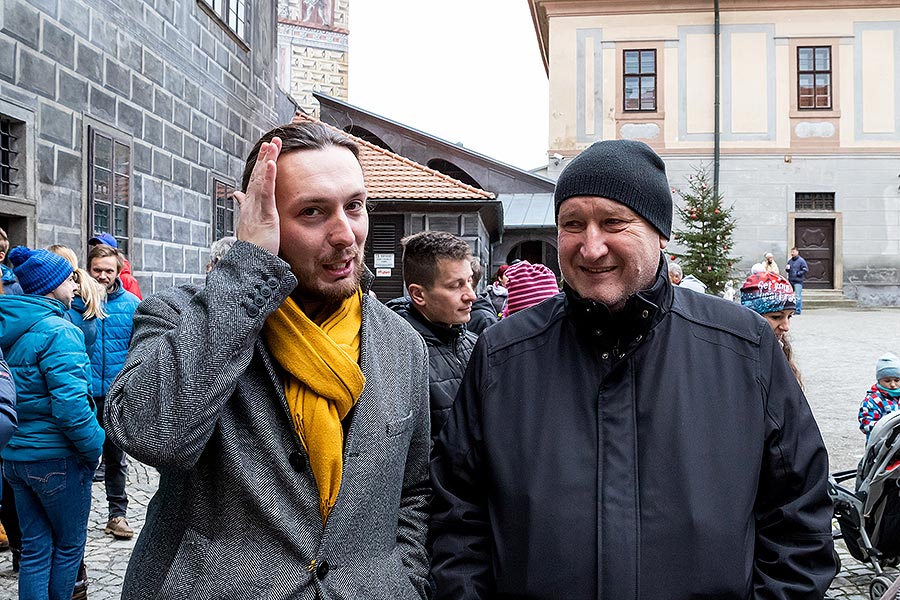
x,y
237,511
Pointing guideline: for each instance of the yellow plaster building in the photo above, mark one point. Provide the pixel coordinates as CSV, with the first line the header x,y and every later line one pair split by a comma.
x,y
807,138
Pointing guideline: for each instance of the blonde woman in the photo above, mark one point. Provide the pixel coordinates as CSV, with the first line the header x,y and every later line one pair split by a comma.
x,y
92,294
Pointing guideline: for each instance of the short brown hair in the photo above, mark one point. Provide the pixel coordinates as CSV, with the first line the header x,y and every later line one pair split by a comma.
x,y
306,135
103,251
421,252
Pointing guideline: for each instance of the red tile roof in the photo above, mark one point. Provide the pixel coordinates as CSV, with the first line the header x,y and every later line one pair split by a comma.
x,y
390,176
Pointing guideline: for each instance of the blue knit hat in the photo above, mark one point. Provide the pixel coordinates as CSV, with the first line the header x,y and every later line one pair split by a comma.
x,y
887,366
39,271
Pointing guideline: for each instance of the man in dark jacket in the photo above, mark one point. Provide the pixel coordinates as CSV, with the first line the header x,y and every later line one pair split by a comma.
x,y
438,274
797,270
628,439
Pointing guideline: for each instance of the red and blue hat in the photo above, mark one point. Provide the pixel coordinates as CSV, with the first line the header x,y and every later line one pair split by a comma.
x,y
768,293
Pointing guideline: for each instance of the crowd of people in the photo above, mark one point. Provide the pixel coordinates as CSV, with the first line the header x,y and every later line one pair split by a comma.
x,y
549,437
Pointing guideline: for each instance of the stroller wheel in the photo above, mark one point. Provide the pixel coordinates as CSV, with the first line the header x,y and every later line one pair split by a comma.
x,y
837,562
879,586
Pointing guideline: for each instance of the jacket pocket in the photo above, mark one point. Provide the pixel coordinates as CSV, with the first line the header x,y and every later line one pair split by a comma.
x,y
400,425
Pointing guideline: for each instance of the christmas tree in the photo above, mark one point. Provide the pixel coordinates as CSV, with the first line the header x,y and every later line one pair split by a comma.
x,y
706,233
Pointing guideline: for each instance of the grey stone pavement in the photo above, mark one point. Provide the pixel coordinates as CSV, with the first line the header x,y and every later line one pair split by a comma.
x,y
836,350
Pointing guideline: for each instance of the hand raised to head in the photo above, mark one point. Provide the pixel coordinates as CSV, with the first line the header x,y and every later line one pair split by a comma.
x,y
258,222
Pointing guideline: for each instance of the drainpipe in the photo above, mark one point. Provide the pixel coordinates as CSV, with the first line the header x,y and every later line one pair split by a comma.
x,y
716,128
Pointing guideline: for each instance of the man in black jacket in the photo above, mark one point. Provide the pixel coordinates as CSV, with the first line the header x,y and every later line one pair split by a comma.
x,y
437,270
628,439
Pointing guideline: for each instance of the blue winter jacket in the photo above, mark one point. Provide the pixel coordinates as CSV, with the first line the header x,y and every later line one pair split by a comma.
x,y
11,285
8,421
113,335
45,353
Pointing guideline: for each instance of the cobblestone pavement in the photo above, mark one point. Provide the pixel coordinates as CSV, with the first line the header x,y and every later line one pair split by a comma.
x,y
836,352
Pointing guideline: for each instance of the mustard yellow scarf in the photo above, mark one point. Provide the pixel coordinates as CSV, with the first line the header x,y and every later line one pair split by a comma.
x,y
323,383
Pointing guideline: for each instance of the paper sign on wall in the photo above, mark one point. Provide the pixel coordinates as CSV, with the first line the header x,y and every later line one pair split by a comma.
x,y
385,261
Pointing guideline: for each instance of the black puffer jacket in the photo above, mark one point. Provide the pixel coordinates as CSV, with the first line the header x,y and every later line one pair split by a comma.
x,y
664,452
483,315
449,349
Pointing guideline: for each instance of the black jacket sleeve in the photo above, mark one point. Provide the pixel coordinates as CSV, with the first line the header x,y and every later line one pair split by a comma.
x,y
460,532
794,549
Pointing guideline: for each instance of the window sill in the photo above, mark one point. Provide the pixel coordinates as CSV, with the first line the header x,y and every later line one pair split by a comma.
x,y
815,113
649,115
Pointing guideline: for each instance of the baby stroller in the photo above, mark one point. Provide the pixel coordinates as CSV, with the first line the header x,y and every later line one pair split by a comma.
x,y
869,516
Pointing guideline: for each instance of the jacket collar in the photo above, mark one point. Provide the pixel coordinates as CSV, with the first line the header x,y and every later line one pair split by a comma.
x,y
642,312
443,333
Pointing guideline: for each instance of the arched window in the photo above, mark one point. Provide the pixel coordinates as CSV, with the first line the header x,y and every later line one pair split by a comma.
x,y
448,168
367,135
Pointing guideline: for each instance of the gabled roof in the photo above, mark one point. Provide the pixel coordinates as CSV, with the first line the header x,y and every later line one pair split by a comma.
x,y
456,153
390,176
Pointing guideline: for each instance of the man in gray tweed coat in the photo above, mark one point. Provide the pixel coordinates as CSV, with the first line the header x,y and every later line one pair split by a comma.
x,y
286,409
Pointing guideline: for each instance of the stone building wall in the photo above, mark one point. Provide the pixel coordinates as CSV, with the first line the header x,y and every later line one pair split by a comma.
x,y
169,81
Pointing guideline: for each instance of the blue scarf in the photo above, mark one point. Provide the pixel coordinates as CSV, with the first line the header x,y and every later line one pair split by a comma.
x,y
891,393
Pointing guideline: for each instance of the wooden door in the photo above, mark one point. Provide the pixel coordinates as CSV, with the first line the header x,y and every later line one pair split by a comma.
x,y
815,241
384,254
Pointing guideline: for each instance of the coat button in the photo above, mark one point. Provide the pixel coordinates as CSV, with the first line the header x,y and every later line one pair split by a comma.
x,y
265,292
298,463
252,310
645,314
272,283
259,301
598,332
322,569
605,355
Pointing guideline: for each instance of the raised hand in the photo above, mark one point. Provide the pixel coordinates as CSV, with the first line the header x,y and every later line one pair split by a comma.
x,y
258,221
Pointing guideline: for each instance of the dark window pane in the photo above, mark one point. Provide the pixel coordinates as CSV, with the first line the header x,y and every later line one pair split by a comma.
x,y
120,226
220,223
648,61
101,217
631,62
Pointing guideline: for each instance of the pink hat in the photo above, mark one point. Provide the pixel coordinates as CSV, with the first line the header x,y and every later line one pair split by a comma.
x,y
528,285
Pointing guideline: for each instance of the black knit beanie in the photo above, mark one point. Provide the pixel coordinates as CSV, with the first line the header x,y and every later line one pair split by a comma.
x,y
626,171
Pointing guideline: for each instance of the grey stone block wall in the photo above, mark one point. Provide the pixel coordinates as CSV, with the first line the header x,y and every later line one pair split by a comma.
x,y
167,78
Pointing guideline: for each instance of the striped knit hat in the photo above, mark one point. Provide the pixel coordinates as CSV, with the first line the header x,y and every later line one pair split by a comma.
x,y
528,285
39,271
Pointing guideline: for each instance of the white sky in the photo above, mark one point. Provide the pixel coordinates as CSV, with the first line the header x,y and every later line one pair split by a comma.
x,y
463,70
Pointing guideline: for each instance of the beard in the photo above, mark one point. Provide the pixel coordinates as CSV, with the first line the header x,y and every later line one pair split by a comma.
x,y
311,291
